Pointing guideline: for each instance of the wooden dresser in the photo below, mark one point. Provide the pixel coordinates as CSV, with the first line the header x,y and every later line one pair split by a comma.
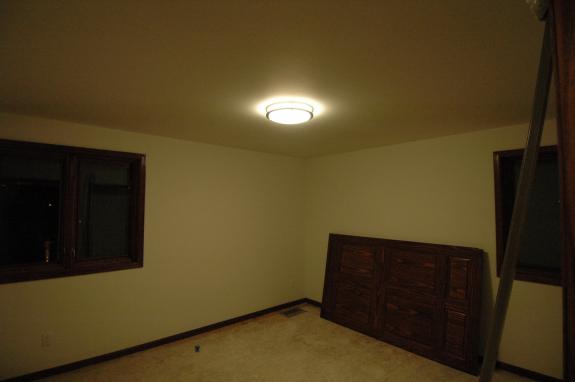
x,y
425,298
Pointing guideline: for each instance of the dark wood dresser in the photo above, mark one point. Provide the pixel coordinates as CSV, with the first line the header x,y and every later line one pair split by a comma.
x,y
425,298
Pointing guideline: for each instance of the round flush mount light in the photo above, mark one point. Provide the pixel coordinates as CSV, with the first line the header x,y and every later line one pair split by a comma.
x,y
289,112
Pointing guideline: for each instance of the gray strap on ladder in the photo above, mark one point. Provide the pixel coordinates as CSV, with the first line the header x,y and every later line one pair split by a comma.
x,y
518,218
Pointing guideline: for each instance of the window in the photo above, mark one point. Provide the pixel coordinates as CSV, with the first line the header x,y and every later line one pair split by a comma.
x,y
66,211
540,253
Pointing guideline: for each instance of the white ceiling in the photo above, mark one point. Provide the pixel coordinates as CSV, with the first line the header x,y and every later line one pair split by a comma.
x,y
385,71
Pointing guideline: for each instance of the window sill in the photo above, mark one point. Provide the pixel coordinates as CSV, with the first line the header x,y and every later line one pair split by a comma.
x,y
49,271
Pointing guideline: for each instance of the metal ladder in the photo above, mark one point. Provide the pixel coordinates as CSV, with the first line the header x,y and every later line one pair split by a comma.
x,y
525,185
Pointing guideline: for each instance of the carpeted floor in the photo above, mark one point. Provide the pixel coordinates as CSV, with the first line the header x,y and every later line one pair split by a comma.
x,y
276,348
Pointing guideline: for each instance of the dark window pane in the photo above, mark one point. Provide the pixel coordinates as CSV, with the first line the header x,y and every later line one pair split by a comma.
x,y
541,244
105,196
30,193
540,247
67,210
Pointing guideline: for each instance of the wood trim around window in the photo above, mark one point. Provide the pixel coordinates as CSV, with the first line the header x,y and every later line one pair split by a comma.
x,y
503,211
68,265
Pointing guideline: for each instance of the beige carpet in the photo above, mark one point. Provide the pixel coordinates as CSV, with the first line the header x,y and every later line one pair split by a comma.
x,y
275,348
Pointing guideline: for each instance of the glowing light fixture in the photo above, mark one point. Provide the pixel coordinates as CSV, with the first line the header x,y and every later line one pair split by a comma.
x,y
289,112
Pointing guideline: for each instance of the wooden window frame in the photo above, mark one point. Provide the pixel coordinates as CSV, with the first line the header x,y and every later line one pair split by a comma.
x,y
503,211
68,264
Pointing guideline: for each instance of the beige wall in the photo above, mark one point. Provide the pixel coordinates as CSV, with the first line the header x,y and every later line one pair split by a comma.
x,y
232,231
223,238
437,191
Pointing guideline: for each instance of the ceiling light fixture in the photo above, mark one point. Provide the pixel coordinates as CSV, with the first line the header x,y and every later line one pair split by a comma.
x,y
289,112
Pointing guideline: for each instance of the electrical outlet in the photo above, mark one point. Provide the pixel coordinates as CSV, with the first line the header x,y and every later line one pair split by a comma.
x,y
46,340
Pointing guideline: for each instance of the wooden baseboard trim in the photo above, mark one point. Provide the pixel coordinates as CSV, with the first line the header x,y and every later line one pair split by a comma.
x,y
526,373
313,302
523,372
152,344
